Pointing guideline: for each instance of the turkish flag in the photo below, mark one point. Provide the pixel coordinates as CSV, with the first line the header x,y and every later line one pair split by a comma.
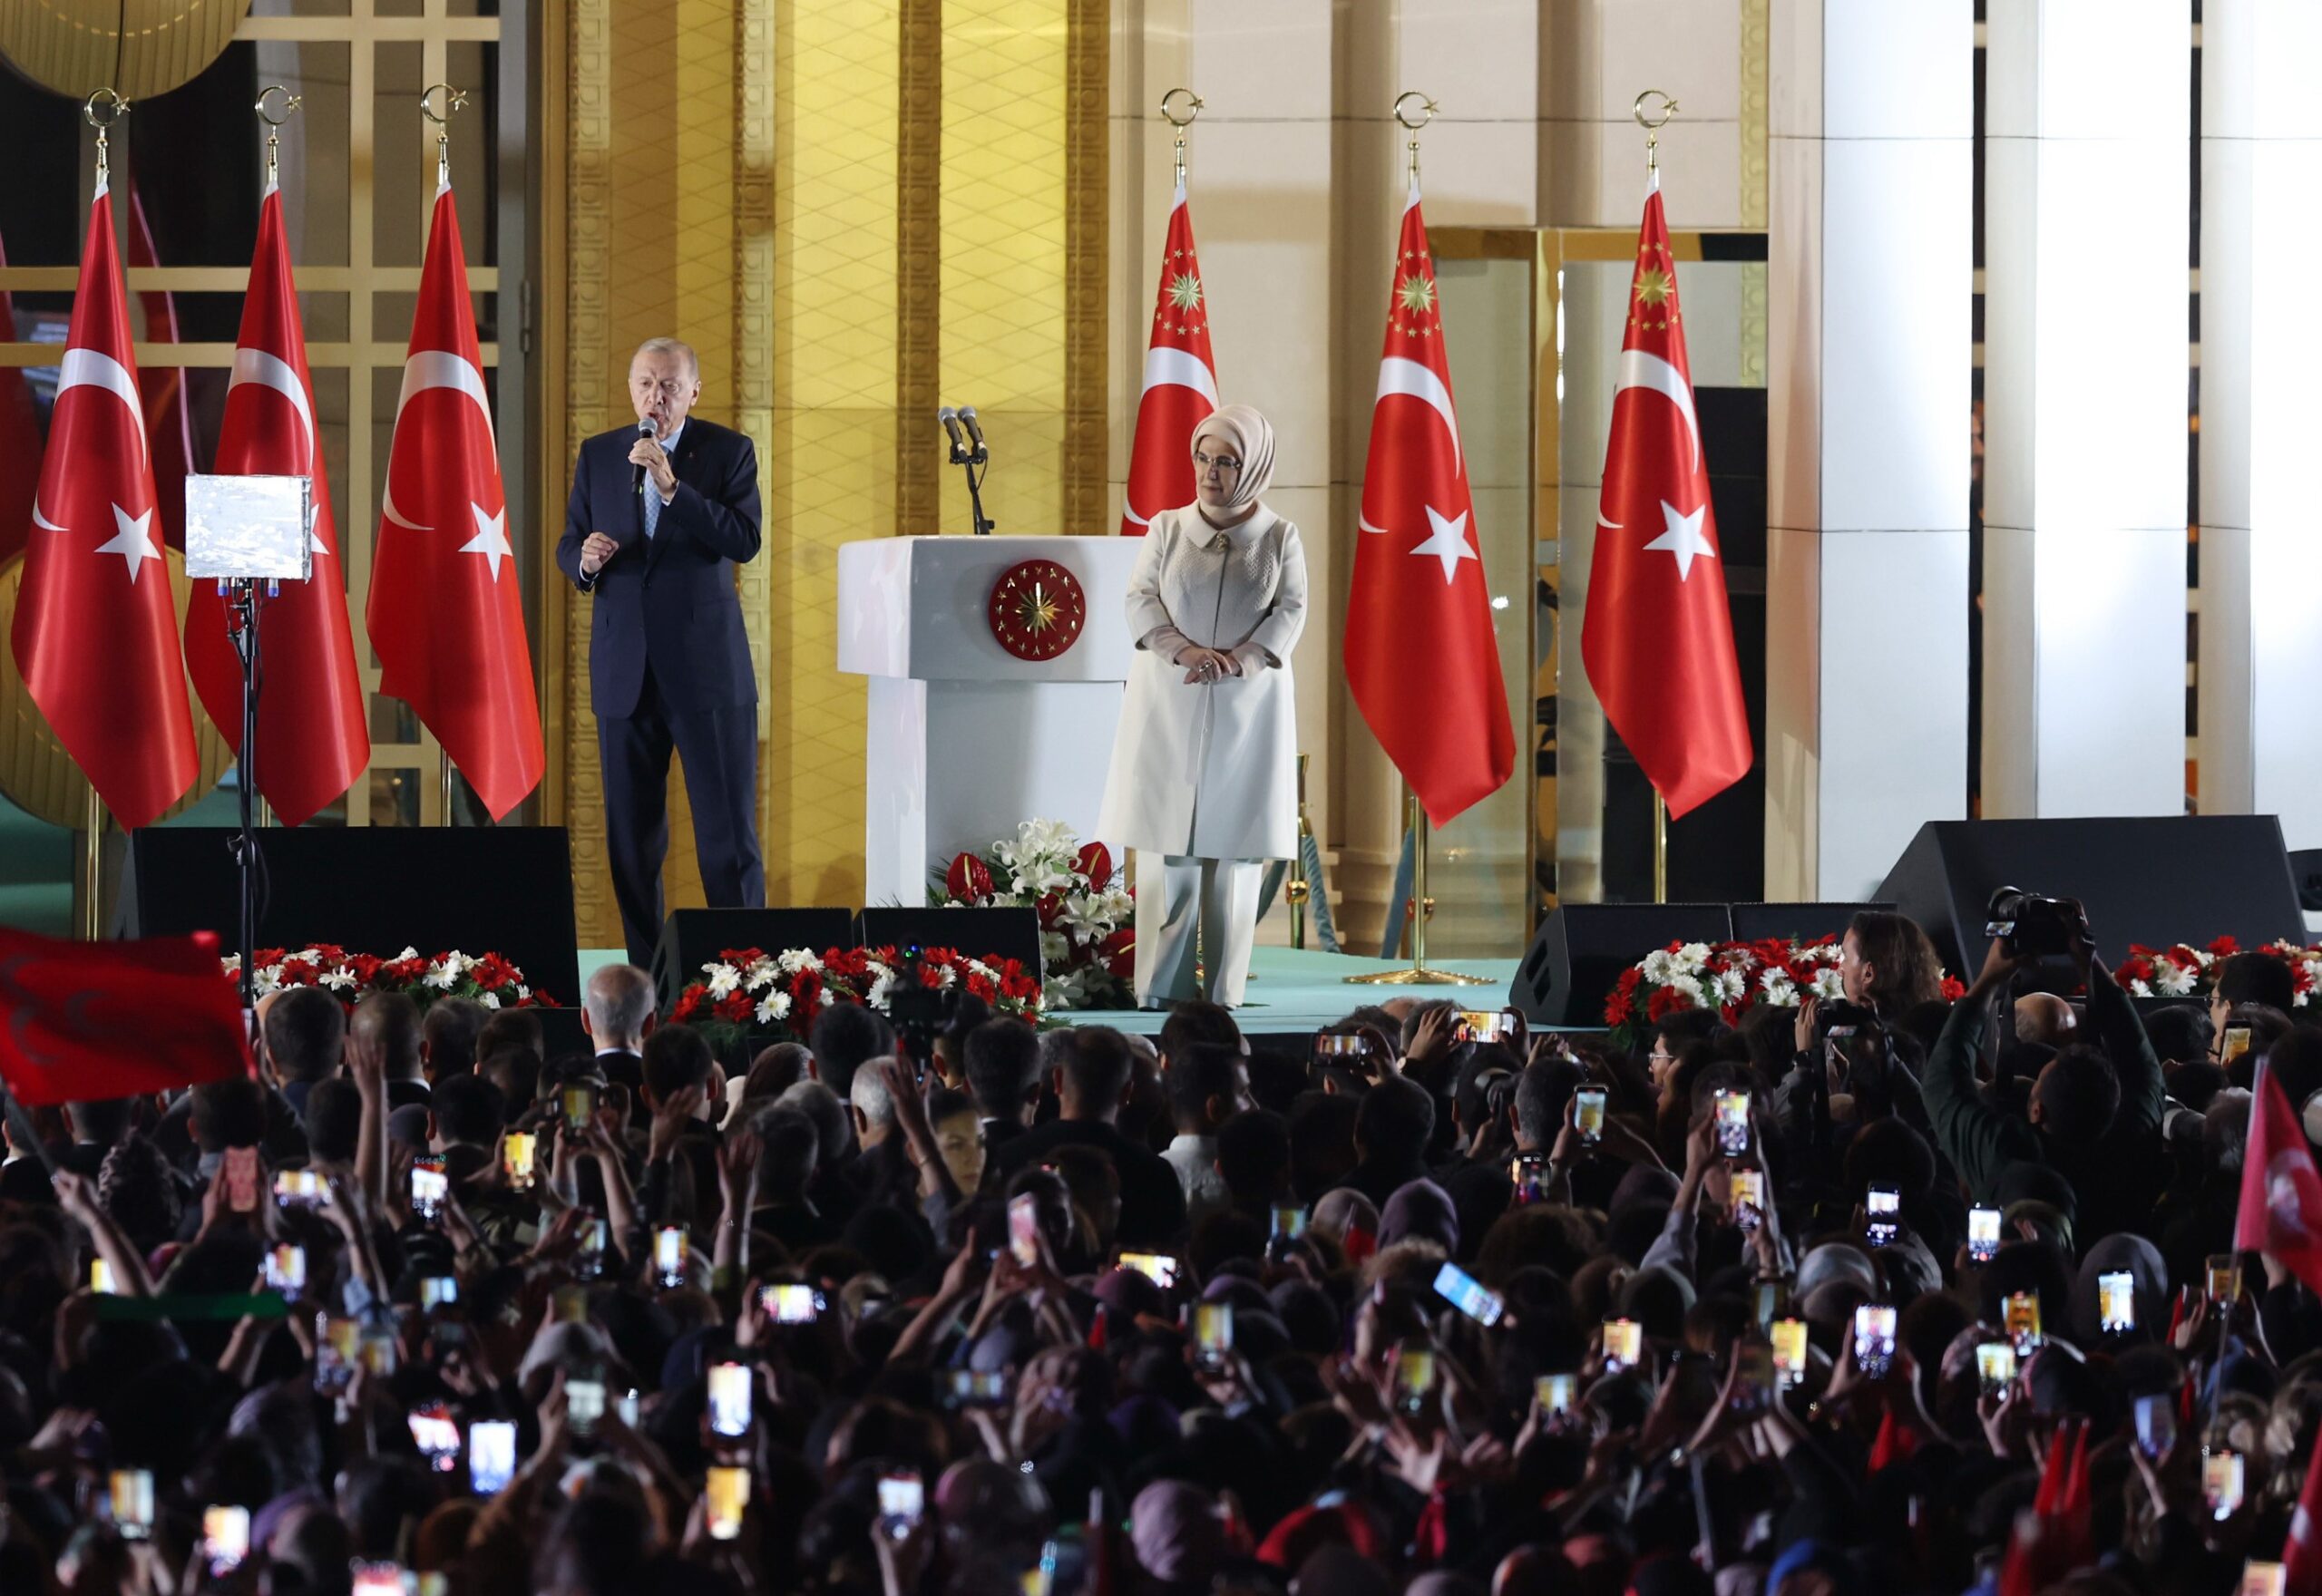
x,y
98,641
1180,383
1657,639
93,1020
2281,1194
168,424
447,613
19,442
311,740
1421,658
2302,1548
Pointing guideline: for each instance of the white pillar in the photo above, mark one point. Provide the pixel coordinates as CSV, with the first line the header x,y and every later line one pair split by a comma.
x,y
2261,345
2086,165
1868,361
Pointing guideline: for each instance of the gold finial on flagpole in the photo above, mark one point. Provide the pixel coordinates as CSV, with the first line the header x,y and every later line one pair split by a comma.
x,y
1193,102
1653,126
453,100
290,104
113,109
1425,113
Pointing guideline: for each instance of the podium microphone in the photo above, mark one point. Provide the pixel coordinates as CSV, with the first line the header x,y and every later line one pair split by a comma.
x,y
645,429
975,427
951,419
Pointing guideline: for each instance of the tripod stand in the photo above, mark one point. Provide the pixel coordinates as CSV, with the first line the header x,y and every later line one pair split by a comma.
x,y
241,597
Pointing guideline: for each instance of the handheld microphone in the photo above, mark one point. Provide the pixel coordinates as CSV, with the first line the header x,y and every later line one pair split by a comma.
x,y
975,428
951,419
645,429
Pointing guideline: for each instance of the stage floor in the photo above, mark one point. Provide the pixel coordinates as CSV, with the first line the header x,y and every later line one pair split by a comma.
x,y
1290,991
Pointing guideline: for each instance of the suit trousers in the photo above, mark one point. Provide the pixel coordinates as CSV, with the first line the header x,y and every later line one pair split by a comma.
x,y
719,750
1214,899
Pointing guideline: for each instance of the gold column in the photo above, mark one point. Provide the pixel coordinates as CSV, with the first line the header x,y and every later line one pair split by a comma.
x,y
1087,205
921,478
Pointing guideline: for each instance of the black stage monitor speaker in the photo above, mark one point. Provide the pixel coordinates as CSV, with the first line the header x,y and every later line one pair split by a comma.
x,y
691,938
2167,879
1579,953
977,933
1805,923
505,890
2306,866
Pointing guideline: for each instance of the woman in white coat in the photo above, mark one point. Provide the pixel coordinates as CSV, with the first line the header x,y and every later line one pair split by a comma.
x,y
1205,776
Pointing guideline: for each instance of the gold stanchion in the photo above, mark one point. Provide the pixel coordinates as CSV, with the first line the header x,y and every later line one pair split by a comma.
x,y
1659,847
92,869
1421,906
1299,890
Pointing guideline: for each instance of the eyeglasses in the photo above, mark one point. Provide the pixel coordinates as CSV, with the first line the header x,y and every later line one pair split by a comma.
x,y
1224,462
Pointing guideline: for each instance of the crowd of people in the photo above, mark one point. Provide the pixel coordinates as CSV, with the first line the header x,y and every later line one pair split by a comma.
x,y
1887,1294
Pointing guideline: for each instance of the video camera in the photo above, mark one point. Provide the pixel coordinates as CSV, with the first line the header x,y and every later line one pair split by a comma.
x,y
2030,926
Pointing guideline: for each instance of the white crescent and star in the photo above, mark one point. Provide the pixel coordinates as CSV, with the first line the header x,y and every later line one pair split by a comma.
x,y
1682,538
437,368
94,368
271,371
1446,538
491,539
1447,541
132,540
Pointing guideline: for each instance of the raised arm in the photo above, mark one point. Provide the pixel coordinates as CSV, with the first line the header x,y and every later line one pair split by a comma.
x,y
1968,1131
2122,1032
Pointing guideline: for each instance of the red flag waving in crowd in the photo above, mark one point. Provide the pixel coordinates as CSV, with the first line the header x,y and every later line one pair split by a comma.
x,y
2281,1192
446,613
96,632
1180,382
1420,657
88,1021
1657,639
311,740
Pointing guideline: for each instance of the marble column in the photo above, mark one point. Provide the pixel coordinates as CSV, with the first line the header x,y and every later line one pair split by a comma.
x,y
1868,361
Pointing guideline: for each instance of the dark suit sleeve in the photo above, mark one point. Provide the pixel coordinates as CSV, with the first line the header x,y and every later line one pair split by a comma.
x,y
576,527
725,519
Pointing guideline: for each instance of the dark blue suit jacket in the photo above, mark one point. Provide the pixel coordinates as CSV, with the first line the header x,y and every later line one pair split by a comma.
x,y
669,602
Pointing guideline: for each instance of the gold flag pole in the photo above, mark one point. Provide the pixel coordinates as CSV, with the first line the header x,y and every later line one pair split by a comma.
x,y
1299,890
1193,107
103,109
262,812
453,100
1652,124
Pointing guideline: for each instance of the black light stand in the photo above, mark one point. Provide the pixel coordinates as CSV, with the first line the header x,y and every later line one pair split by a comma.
x,y
241,597
976,461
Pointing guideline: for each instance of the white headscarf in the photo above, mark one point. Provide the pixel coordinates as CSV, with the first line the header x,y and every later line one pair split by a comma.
x,y
1249,437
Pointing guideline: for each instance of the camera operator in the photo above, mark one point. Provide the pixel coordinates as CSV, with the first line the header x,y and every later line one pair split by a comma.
x,y
1886,969
2094,1110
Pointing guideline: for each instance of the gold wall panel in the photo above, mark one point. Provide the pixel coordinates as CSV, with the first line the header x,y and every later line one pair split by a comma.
x,y
138,48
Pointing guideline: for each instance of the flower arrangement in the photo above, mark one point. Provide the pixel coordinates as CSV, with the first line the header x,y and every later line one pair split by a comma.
x,y
487,978
1088,918
1730,977
746,991
2181,970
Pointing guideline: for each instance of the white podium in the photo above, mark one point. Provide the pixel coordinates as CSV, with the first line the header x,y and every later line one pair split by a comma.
x,y
965,741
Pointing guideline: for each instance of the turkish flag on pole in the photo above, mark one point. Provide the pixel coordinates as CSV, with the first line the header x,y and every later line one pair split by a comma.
x,y
91,1021
1180,383
1421,658
446,615
311,740
2281,1194
97,641
1657,639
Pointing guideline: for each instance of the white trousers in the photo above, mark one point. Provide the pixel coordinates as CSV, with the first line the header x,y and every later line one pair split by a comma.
x,y
1180,901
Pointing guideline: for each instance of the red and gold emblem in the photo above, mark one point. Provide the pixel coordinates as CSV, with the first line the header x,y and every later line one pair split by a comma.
x,y
1038,610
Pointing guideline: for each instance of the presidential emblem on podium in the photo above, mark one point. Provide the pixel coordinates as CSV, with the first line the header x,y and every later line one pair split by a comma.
x,y
1037,609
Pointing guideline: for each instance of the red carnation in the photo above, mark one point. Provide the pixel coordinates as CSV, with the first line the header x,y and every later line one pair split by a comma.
x,y
689,1005
1954,988
734,1007
1666,1001
2225,948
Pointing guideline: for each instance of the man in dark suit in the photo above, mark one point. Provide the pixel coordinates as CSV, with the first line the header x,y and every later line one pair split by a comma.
x,y
660,513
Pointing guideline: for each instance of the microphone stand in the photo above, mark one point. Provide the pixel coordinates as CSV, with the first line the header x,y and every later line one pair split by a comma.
x,y
241,597
976,461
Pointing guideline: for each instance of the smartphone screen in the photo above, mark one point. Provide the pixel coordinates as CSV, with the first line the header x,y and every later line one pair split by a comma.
x,y
516,1158
1213,1331
286,1269
902,1499
338,1346
2224,1276
1759,1380
973,1388
670,1256
1024,1228
1463,1291
1773,1299
2264,1578
1157,1267
240,1165
1789,1339
297,1188
429,1186
438,1290
1342,1044
225,1537
725,1499
491,1455
2221,1482
1414,1377
1733,1124
1874,1338
579,1105
101,1280
1623,1344
729,1400
1746,1191
2235,1043
1554,1392
1983,1234
2156,1425
378,1579
791,1304
1289,1222
584,1405
2116,1302
436,1435
1879,1208
131,1493
1588,1112
2024,1322
589,1261
1994,1366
